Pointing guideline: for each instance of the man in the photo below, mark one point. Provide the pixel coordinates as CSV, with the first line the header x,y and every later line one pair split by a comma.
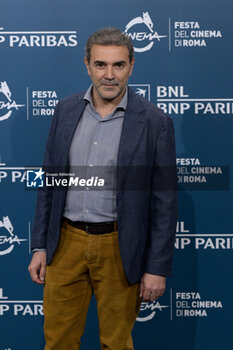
x,y
118,247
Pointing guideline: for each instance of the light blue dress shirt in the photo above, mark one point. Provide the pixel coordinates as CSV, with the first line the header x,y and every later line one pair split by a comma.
x,y
94,150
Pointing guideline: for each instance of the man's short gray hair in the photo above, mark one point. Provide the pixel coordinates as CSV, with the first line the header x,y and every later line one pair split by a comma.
x,y
109,36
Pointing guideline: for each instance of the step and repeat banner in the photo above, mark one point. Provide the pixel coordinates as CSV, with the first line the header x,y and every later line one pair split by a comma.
x,y
184,55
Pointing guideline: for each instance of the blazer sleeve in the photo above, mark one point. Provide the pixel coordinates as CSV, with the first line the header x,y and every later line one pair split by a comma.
x,y
45,194
163,203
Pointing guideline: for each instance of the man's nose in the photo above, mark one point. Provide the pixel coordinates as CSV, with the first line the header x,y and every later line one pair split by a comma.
x,y
109,72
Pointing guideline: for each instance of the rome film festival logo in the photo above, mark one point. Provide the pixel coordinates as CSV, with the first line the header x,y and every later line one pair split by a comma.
x,y
7,237
7,104
143,36
149,309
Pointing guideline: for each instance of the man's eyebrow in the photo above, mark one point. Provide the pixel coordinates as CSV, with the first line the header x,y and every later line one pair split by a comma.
x,y
103,62
97,61
119,62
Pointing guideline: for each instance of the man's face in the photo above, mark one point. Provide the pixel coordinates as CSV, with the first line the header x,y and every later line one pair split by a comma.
x,y
109,69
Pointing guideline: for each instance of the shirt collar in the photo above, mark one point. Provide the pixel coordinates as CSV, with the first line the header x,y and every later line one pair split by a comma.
x,y
121,105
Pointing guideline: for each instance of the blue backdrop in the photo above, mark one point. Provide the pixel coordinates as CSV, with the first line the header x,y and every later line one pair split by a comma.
x,y
183,64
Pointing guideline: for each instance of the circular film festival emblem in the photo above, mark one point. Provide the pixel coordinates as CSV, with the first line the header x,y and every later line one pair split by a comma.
x,y
6,103
7,237
147,35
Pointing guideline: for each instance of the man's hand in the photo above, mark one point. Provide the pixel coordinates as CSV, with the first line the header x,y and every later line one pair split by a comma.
x,y
37,267
152,286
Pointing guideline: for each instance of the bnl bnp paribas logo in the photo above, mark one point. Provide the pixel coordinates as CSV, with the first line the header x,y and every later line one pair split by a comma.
x,y
141,31
8,239
7,104
38,38
142,90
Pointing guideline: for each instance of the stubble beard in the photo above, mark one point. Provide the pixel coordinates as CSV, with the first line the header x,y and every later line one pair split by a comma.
x,y
112,98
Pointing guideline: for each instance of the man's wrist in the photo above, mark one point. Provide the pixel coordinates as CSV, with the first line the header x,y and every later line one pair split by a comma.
x,y
38,250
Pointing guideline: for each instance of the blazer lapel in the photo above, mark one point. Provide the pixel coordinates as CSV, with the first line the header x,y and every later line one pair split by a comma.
x,y
132,129
71,121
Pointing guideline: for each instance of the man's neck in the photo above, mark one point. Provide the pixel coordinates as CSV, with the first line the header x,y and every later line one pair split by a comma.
x,y
105,107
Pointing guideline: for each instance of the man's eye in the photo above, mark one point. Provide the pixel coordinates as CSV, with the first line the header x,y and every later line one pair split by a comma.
x,y
99,65
119,65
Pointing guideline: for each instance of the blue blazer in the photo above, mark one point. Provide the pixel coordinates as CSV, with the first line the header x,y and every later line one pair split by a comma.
x,y
146,216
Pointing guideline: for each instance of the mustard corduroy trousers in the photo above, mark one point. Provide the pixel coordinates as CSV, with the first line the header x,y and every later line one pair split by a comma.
x,y
85,264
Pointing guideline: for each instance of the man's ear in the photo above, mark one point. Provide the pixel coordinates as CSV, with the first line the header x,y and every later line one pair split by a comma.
x,y
87,65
